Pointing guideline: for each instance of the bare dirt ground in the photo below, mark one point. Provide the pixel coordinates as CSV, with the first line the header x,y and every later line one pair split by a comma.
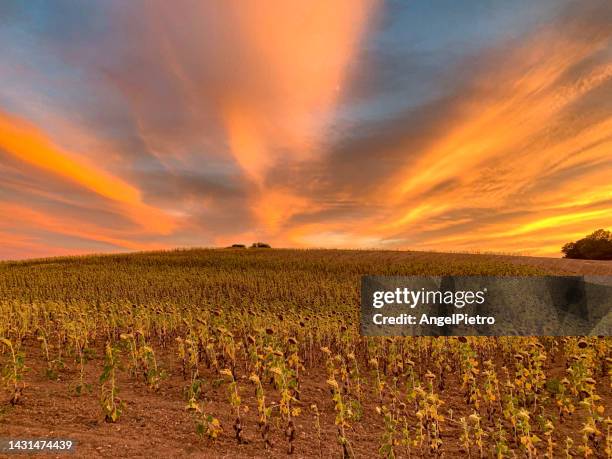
x,y
156,424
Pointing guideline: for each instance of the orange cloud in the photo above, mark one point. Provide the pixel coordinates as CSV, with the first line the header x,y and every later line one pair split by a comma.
x,y
300,53
26,143
63,225
502,152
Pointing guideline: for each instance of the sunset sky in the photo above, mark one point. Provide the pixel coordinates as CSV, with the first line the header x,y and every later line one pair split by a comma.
x,y
426,125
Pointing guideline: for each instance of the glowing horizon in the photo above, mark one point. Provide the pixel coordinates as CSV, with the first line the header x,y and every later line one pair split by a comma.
x,y
357,124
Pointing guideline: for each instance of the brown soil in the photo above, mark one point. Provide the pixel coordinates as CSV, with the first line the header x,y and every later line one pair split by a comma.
x,y
156,424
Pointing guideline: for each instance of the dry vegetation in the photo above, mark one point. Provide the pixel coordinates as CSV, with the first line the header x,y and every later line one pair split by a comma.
x,y
242,353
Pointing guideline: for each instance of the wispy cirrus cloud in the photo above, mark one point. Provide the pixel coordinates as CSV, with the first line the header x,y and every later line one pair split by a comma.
x,y
514,158
304,124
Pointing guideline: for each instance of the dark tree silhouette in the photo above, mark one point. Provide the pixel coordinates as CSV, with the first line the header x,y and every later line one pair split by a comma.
x,y
595,246
260,245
